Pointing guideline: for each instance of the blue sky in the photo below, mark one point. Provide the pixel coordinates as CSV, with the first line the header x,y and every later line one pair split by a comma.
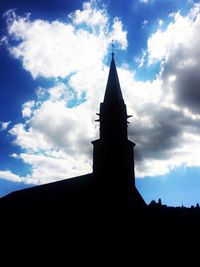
x,y
54,62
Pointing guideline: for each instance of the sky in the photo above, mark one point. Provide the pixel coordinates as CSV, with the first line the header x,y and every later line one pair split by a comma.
x,y
54,63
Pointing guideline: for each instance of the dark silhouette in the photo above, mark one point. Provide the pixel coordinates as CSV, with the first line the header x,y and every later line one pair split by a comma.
x,y
159,202
113,159
103,206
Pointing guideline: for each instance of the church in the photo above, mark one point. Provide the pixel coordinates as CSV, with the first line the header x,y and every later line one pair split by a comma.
x,y
109,189
98,216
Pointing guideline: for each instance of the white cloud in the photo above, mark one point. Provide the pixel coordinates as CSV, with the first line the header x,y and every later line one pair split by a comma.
x,y
58,49
160,22
141,60
4,125
178,48
27,108
179,35
56,136
144,23
54,167
28,138
51,49
144,1
91,15
8,175
118,34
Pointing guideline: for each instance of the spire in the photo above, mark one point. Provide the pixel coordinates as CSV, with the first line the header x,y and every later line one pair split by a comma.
x,y
113,152
113,90
113,157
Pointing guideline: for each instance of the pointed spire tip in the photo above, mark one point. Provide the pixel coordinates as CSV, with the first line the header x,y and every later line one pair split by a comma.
x,y
113,47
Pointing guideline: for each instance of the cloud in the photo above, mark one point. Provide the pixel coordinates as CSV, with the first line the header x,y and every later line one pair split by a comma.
x,y
161,139
91,16
58,126
160,22
27,108
4,125
172,127
178,48
58,49
57,138
144,1
118,34
178,35
54,167
142,59
8,175
144,23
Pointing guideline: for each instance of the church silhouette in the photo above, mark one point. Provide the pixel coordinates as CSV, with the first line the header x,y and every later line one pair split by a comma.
x,y
103,207
112,183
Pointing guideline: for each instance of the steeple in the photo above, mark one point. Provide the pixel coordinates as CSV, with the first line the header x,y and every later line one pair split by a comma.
x,y
113,89
113,152
113,114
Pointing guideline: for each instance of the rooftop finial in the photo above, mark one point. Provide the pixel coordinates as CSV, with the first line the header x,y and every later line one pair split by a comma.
x,y
113,47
